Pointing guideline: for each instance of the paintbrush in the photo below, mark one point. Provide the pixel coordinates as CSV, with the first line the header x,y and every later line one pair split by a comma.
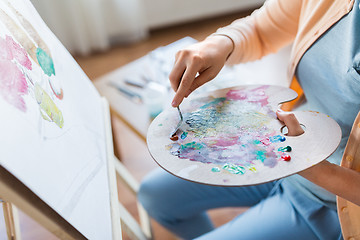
x,y
173,135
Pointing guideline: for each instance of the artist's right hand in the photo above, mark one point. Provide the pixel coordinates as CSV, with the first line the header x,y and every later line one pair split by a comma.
x,y
198,64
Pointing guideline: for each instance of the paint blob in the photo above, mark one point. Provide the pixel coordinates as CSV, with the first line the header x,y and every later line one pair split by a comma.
x,y
285,149
48,109
230,132
183,135
286,157
13,85
45,61
174,137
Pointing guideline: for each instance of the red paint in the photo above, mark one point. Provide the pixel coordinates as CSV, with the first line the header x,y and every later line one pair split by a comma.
x,y
286,157
174,137
265,141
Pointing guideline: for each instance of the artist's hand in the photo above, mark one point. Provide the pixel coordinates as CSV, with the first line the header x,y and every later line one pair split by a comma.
x,y
289,119
198,64
294,129
341,181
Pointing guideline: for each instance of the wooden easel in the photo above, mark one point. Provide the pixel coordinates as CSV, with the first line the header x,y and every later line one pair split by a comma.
x,y
15,193
11,221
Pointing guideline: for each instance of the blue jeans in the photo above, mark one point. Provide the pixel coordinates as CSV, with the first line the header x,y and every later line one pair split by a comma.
x,y
181,206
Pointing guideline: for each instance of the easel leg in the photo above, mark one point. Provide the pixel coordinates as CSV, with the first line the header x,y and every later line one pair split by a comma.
x,y
11,216
115,138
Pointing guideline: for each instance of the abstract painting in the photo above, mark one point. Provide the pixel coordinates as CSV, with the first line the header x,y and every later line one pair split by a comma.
x,y
52,122
21,53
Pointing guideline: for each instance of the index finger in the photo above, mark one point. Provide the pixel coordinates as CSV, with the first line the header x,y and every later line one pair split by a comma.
x,y
185,84
176,74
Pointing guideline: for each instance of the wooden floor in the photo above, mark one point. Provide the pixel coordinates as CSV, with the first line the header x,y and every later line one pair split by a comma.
x,y
133,151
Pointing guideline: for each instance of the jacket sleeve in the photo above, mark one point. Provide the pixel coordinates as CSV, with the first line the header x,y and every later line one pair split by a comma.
x,y
349,213
265,31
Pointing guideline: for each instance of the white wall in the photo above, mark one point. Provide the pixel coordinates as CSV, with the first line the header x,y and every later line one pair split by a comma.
x,y
161,13
87,25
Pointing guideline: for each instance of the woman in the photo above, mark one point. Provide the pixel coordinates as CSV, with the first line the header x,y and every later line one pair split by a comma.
x,y
326,61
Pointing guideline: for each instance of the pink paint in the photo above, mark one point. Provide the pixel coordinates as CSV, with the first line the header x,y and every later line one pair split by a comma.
x,y
13,84
5,52
13,51
265,141
237,95
257,95
225,142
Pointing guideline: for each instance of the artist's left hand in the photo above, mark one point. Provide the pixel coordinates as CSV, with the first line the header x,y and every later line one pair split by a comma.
x,y
289,119
334,178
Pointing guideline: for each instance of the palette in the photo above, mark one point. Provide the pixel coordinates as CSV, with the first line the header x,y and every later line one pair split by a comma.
x,y
232,137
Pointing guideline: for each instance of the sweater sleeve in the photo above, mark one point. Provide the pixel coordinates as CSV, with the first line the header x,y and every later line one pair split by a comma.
x,y
349,213
265,31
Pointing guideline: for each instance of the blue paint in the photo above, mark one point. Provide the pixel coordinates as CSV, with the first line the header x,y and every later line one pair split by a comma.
x,y
214,102
184,135
277,138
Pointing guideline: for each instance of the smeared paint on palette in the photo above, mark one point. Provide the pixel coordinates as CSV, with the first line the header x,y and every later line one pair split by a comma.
x,y
230,131
234,138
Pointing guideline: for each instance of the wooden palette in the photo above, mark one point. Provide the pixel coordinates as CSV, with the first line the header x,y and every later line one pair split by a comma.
x,y
231,137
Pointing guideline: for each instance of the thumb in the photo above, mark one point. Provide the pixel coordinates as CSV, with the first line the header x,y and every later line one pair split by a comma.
x,y
289,119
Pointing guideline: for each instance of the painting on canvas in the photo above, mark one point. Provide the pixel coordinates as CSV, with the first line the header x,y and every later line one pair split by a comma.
x,y
52,127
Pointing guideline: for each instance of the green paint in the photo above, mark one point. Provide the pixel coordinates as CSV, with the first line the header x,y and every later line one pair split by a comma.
x,y
285,149
160,125
45,61
192,145
256,141
234,169
261,155
215,169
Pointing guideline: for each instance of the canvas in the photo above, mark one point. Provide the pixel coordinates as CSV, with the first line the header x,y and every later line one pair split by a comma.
x,y
52,127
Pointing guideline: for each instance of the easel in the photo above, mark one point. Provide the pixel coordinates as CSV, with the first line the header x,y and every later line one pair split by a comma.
x,y
15,193
11,221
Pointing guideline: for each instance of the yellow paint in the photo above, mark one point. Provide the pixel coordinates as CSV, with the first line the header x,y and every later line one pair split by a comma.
x,y
48,108
252,168
211,132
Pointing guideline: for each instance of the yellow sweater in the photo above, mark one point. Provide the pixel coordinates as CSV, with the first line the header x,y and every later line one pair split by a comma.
x,y
301,22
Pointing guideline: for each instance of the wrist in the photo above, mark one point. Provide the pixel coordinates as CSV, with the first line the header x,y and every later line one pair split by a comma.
x,y
226,44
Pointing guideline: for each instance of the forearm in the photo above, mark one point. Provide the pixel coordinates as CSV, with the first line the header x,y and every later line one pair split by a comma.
x,y
264,31
341,181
